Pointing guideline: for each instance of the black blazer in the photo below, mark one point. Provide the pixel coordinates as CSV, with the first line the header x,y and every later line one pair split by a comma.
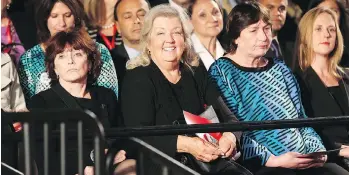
x,y
104,101
148,99
120,58
104,106
318,102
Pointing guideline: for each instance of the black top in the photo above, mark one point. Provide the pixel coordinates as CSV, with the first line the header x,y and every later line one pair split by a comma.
x,y
321,101
149,99
102,103
339,97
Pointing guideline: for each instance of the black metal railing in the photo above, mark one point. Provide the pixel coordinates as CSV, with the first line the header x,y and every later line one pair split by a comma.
x,y
165,161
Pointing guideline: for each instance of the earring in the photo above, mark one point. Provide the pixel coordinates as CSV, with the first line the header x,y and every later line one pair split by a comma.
x,y
8,6
149,52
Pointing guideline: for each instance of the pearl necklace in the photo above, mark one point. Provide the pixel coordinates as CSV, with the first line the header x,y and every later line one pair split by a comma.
x,y
108,26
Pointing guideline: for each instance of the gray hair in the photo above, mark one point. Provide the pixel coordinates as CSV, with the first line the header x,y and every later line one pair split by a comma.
x,y
189,57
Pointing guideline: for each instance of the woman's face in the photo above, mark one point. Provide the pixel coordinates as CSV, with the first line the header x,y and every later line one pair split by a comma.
x,y
166,43
331,4
60,19
207,18
255,39
324,34
72,65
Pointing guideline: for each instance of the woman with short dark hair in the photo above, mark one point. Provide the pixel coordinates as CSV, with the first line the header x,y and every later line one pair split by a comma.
x,y
256,88
73,63
54,16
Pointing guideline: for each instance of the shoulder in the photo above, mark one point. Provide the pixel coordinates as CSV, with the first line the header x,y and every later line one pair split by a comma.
x,y
100,90
221,64
139,76
42,99
33,54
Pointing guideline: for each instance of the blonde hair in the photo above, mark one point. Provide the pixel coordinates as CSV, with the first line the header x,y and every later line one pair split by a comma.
x,y
95,12
304,42
189,57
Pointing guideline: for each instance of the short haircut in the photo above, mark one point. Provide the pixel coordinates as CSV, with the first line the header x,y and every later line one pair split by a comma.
x,y
43,12
78,40
240,17
304,41
118,3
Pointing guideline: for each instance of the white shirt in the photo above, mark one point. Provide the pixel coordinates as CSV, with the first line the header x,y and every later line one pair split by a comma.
x,y
131,52
204,54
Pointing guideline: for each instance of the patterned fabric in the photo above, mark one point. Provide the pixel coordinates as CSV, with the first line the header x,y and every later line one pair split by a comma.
x,y
34,78
270,94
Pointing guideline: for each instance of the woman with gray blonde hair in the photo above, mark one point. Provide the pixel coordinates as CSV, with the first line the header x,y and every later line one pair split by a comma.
x,y
163,82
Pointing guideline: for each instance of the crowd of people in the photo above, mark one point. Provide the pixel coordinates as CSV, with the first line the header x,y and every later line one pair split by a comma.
x,y
142,63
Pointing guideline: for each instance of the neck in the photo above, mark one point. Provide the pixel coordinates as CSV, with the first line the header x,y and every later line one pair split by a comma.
x,y
109,16
209,43
321,64
245,60
131,44
170,70
76,89
274,33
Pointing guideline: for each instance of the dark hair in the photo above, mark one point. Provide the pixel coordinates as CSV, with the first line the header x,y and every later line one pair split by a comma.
x,y
193,2
118,3
43,11
343,21
78,40
240,17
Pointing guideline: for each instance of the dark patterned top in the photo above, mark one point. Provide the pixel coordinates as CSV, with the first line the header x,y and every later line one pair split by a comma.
x,y
34,78
267,93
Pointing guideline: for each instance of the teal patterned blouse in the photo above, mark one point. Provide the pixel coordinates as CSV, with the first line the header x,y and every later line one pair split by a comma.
x,y
34,78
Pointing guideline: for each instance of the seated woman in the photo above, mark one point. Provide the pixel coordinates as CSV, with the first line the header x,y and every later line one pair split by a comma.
x,y
165,80
52,17
257,89
206,17
343,22
73,63
323,82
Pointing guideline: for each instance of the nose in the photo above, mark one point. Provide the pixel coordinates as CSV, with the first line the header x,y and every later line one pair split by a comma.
x,y
62,22
327,33
137,20
262,35
70,58
169,38
213,18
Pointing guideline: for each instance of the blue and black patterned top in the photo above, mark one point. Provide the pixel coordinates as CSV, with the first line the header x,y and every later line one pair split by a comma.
x,y
34,78
267,93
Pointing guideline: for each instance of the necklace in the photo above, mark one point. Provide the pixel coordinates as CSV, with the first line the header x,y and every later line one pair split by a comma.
x,y
108,26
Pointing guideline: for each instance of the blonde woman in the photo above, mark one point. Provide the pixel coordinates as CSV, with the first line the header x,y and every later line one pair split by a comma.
x,y
101,22
324,84
165,80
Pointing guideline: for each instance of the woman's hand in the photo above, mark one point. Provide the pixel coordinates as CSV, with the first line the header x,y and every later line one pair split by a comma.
x,y
200,149
120,156
345,151
295,160
227,144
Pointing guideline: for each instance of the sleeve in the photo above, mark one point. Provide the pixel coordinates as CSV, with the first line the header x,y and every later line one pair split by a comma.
x,y
254,150
26,78
250,148
36,102
17,97
311,138
138,109
212,97
115,119
107,77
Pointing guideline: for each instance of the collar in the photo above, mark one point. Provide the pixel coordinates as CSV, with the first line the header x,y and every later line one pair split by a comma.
x,y
5,58
204,54
131,52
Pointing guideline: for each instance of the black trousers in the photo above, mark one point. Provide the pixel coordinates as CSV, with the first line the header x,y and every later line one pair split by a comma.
x,y
327,169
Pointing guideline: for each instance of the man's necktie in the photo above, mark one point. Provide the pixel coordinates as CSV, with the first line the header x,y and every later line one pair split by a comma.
x,y
276,49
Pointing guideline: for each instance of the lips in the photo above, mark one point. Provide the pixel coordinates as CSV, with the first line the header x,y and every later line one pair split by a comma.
x,y
325,43
168,49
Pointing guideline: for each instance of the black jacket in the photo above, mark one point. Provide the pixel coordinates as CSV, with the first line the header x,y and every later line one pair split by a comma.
x,y
318,102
